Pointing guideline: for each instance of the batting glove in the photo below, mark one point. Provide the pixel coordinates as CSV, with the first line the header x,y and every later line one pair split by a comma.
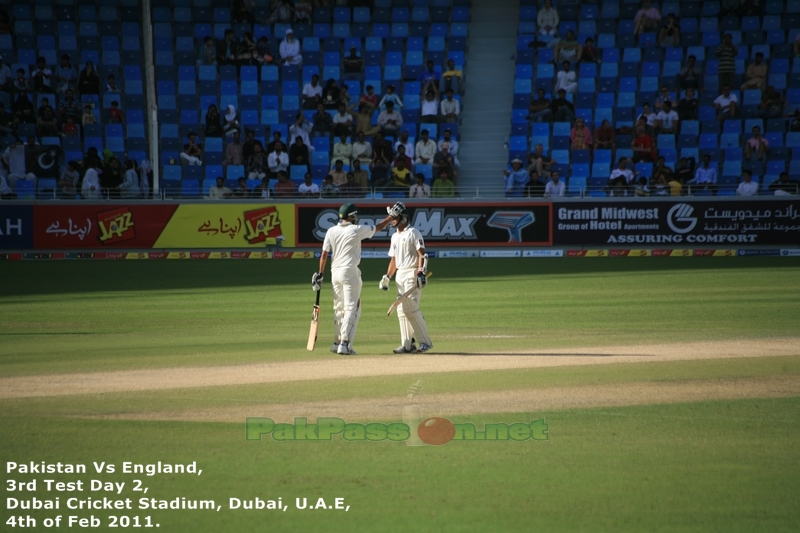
x,y
395,210
316,281
422,280
384,284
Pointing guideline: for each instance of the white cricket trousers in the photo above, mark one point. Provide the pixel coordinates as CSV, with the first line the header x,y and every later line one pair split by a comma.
x,y
346,285
412,324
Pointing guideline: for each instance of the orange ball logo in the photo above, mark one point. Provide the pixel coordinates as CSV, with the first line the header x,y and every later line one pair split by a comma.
x,y
436,431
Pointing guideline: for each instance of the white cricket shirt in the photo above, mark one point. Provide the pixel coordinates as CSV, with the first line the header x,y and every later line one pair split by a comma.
x,y
343,241
404,248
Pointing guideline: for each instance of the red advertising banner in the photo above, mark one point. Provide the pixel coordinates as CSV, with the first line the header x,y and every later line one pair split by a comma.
x,y
99,226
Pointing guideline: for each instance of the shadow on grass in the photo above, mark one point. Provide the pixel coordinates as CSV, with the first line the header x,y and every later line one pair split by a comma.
x,y
87,276
478,354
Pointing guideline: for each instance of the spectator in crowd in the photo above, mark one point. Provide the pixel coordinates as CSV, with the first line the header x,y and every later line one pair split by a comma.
x,y
242,190
705,177
784,186
66,76
69,181
328,189
641,188
213,122
380,174
47,124
381,152
429,103
226,49
772,104
589,54
192,153
621,178
535,186
261,190
392,97
351,189
419,189
726,54
430,74
338,173
21,83
794,123
89,81
257,164
401,154
443,187
443,160
301,128
323,123
726,104
515,179
342,121
312,93
298,153
290,50
539,162
690,75
231,123
277,161
662,175
747,187
406,144
554,187
360,177
566,79
240,12
115,115
451,78
233,152
563,109
425,149
450,107
248,147
667,120
42,77
646,19
539,110
353,65
308,187
649,117
580,136
685,171
129,188
390,120
363,120
644,149
282,11
344,96
342,150
568,49
663,96
303,12
6,80
688,107
756,147
547,20
111,178
362,151
605,137
246,50
369,99
401,176
285,188
447,137
264,54
756,74
8,121
670,33
90,187
330,95
69,106
111,84
207,53
276,139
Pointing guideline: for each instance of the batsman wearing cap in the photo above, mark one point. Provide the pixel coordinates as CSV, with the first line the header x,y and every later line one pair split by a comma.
x,y
343,241
409,261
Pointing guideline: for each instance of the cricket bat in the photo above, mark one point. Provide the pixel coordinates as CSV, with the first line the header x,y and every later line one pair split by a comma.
x,y
403,296
312,334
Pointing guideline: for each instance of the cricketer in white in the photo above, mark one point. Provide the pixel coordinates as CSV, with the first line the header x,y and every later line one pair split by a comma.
x,y
409,261
343,241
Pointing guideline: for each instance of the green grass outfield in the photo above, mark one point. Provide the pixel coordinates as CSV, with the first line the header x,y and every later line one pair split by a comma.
x,y
722,465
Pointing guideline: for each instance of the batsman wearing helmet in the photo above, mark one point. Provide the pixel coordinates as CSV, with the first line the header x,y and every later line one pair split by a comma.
x,y
409,261
343,241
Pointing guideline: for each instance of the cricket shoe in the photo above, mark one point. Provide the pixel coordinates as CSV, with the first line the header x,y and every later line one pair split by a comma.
x,y
424,347
335,347
344,349
402,349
